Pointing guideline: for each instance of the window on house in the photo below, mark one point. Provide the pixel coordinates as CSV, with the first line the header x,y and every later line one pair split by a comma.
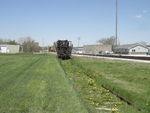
x,y
133,50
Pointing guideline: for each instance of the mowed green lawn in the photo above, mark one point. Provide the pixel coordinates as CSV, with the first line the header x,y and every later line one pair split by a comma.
x,y
36,84
129,79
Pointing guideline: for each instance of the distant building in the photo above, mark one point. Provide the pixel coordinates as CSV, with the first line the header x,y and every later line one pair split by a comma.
x,y
79,50
136,48
5,48
97,48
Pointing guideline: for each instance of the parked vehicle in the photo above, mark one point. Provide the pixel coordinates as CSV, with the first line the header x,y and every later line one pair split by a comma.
x,y
51,49
105,52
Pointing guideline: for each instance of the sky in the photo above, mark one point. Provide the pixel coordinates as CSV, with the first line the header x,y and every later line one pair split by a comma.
x,y
46,21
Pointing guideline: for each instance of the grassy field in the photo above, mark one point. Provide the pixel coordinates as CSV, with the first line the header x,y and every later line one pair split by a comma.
x,y
44,84
36,84
129,79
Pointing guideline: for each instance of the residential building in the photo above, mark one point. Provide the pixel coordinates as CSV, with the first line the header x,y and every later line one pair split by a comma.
x,y
148,47
136,48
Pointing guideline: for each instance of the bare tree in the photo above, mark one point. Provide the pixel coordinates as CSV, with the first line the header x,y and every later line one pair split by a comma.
x,y
144,42
107,41
29,45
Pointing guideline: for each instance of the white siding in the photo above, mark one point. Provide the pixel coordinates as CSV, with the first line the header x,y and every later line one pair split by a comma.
x,y
138,49
9,48
3,49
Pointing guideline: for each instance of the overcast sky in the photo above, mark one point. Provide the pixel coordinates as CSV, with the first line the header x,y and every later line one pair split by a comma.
x,y
49,20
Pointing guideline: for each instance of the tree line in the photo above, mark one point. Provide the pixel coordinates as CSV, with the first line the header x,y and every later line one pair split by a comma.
x,y
27,43
30,45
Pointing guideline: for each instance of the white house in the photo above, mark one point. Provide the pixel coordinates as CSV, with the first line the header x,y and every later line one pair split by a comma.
x,y
136,48
148,47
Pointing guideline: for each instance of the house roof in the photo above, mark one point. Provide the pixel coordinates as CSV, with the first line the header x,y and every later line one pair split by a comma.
x,y
148,46
129,46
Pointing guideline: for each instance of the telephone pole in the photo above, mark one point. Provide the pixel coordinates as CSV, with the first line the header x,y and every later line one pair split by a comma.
x,y
116,22
78,41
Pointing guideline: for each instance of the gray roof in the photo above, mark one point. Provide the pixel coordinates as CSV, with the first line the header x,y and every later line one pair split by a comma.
x,y
129,46
148,47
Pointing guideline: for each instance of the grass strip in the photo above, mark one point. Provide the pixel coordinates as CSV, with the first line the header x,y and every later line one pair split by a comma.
x,y
86,64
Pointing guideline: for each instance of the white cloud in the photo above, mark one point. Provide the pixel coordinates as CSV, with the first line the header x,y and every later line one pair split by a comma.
x,y
142,14
139,16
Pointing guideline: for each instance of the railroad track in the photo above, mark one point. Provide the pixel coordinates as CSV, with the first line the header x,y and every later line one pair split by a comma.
x,y
147,58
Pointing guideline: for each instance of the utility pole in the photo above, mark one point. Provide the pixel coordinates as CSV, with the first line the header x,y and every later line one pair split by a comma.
x,y
78,41
116,22
43,45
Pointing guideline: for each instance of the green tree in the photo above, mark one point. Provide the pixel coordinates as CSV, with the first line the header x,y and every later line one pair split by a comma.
x,y
8,41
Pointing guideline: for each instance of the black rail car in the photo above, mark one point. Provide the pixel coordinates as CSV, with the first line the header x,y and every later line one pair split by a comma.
x,y
63,49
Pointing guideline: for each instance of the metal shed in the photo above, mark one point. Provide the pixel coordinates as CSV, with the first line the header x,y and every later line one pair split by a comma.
x,y
5,48
97,48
